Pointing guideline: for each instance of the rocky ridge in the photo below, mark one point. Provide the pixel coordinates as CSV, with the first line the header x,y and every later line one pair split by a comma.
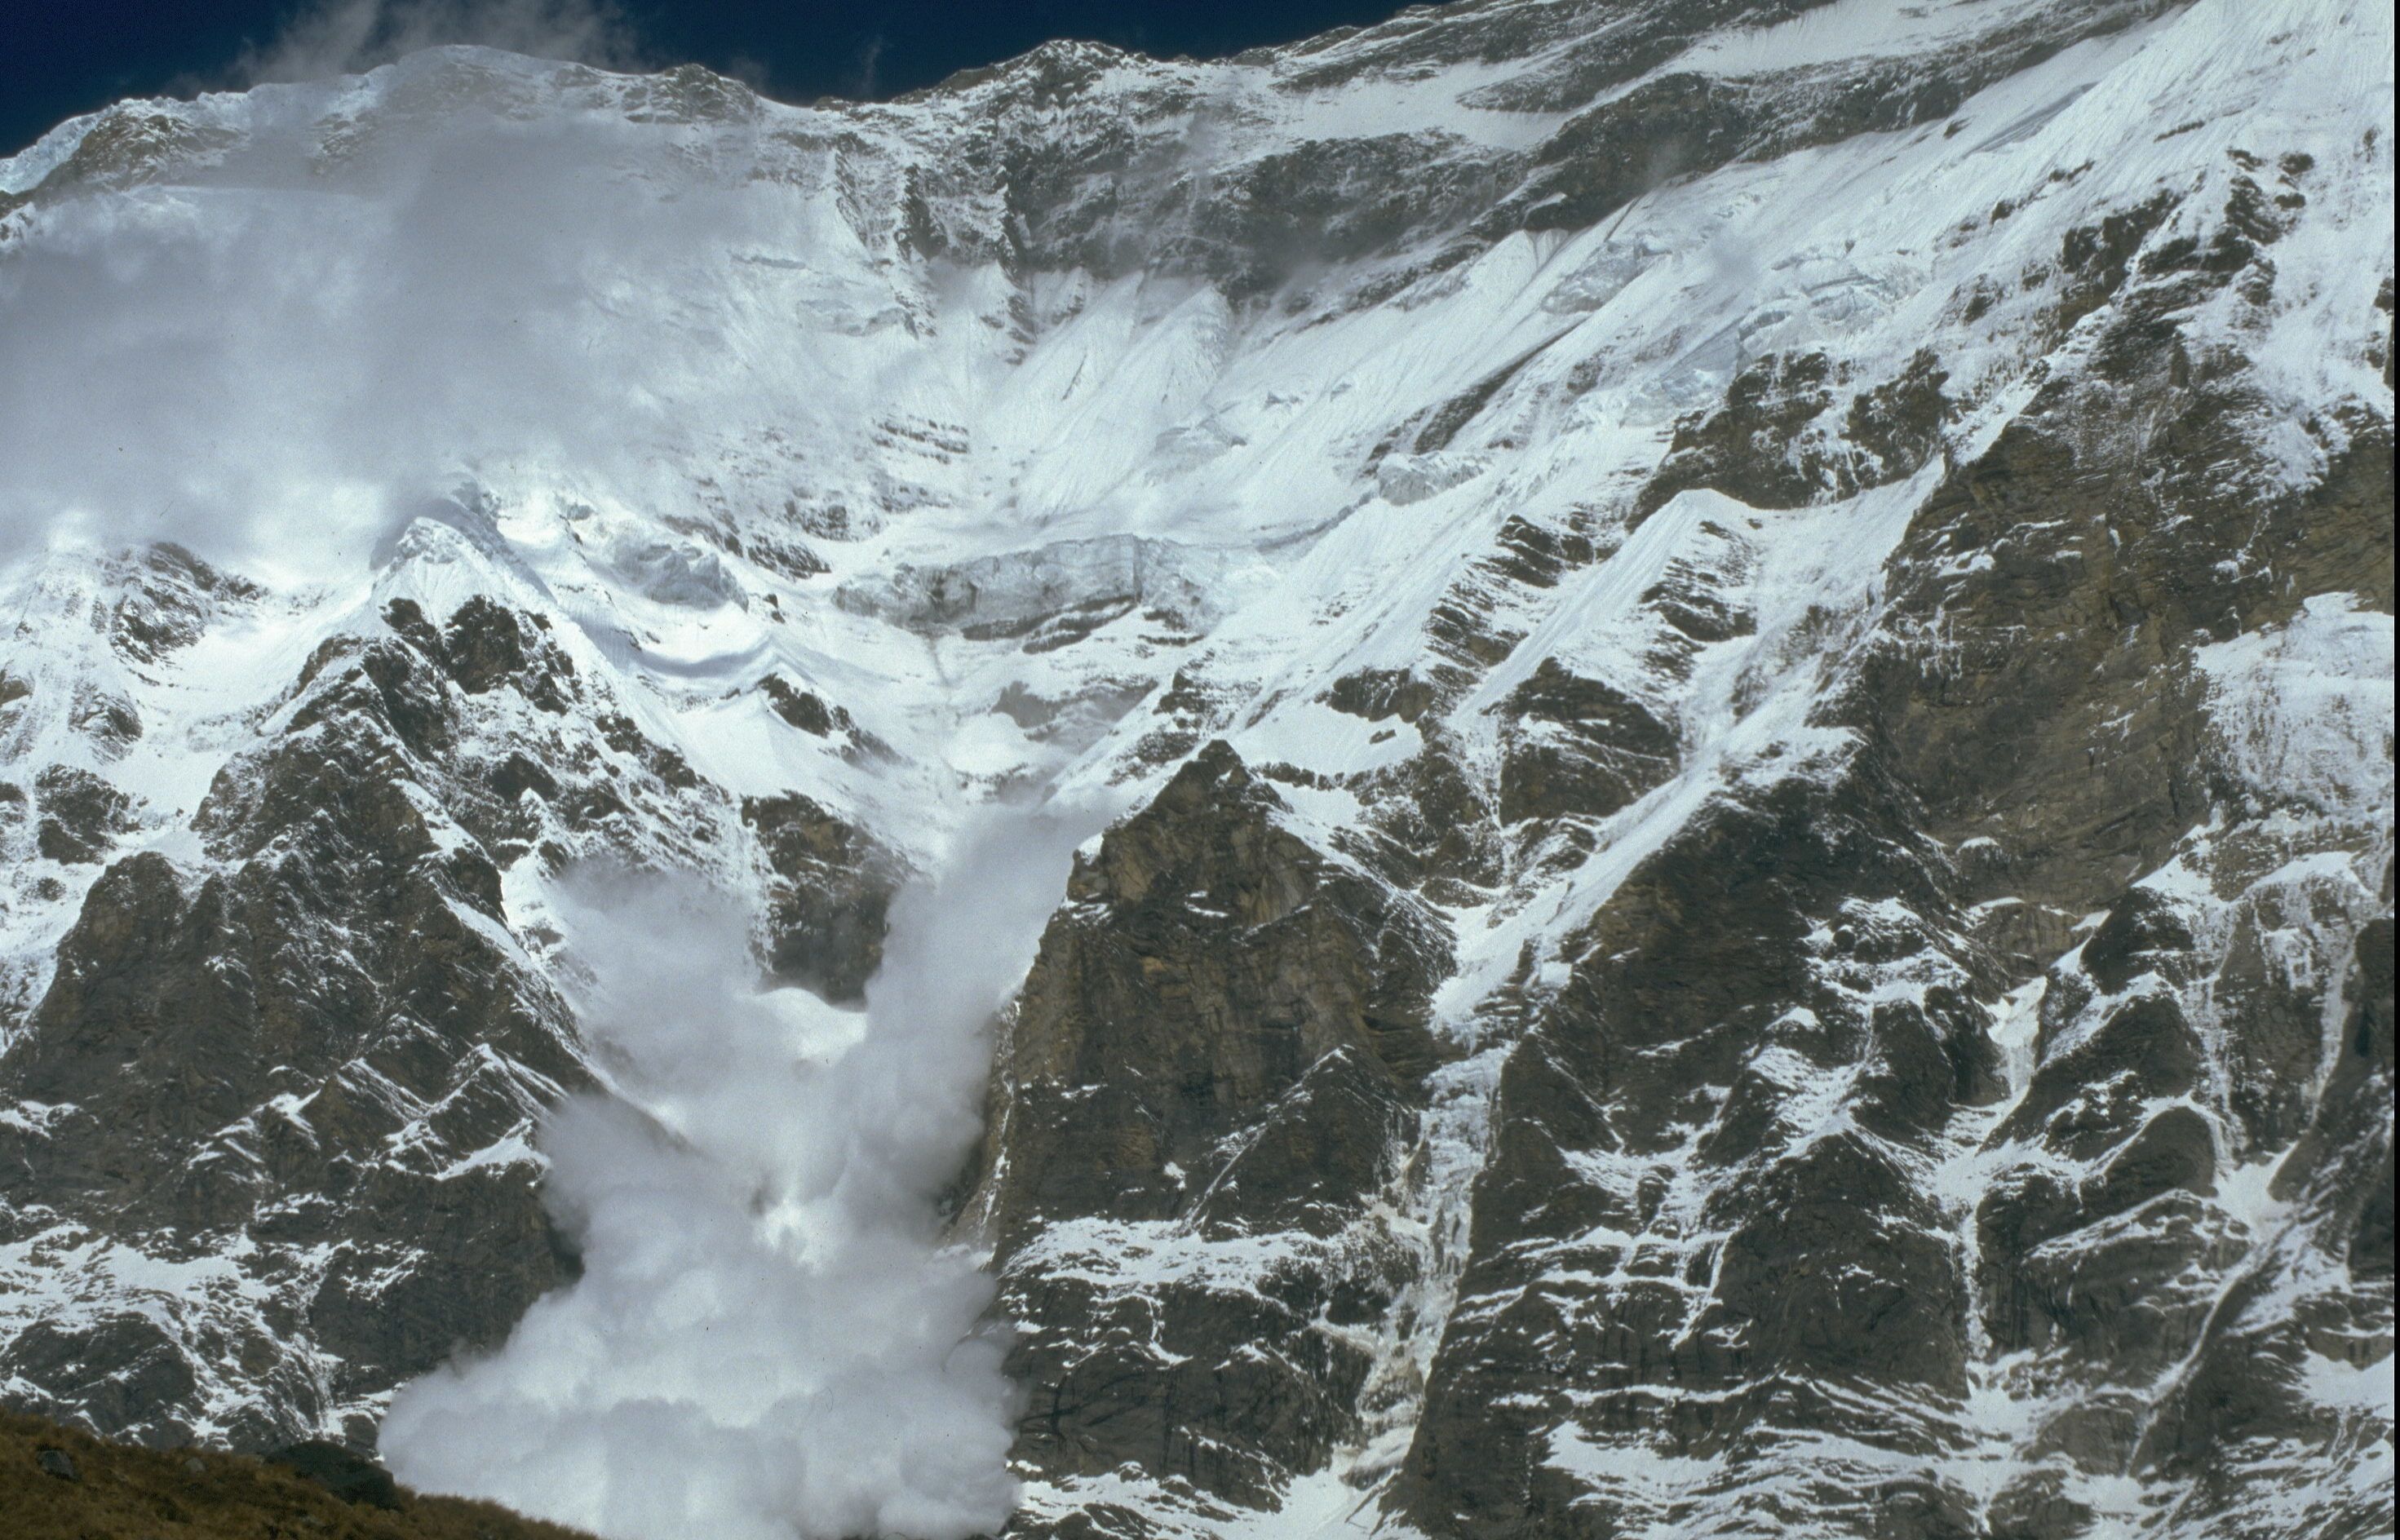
x,y
1749,652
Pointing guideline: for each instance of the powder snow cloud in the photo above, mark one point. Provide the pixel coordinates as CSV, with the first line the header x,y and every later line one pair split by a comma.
x,y
282,357
350,36
770,1335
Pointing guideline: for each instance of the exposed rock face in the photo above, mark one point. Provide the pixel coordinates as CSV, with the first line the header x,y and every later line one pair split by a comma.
x,y
1214,1067
830,896
1748,661
1579,747
320,1031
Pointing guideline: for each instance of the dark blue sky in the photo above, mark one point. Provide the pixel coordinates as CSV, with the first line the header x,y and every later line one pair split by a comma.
x,y
63,57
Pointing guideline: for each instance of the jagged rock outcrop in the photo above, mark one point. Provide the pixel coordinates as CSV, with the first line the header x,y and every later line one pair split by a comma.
x,y
830,900
1218,1056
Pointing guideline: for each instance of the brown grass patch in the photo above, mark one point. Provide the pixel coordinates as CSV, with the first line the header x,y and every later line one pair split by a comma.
x,y
122,1492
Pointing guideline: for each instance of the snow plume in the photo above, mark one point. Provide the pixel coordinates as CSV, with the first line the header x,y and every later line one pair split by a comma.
x,y
346,36
281,379
770,1337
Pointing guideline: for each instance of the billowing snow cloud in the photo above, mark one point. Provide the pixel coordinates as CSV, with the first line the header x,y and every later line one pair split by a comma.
x,y
285,356
345,36
769,1336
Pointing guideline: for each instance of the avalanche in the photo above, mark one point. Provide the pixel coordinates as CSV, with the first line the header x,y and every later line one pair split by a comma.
x,y
1589,466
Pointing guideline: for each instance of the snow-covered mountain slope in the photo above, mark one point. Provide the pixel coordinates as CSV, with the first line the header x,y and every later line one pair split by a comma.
x,y
1742,655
